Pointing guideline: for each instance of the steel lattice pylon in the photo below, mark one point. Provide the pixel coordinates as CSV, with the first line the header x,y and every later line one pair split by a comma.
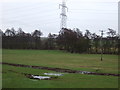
x,y
63,15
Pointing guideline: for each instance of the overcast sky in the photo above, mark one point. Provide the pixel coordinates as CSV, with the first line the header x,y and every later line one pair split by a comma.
x,y
30,15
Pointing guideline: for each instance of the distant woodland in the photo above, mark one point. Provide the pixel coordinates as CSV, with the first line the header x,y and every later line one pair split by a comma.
x,y
73,41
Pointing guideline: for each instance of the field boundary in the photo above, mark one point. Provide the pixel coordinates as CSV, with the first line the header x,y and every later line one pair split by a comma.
x,y
59,69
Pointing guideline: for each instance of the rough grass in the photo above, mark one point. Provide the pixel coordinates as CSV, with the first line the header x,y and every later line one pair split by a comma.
x,y
60,59
87,62
16,80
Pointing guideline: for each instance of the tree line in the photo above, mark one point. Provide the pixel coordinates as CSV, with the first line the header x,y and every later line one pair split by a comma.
x,y
73,41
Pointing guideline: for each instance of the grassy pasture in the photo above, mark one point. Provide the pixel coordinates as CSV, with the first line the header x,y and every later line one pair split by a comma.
x,y
59,59
16,80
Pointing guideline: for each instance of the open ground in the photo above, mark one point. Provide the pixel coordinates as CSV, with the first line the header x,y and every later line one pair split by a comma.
x,y
59,59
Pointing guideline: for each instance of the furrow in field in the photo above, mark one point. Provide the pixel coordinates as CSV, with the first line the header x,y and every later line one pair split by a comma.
x,y
59,69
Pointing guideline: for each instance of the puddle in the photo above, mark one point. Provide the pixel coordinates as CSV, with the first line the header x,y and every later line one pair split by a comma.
x,y
53,74
38,77
85,72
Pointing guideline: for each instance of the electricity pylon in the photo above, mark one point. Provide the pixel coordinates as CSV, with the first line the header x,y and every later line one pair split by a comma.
x,y
63,15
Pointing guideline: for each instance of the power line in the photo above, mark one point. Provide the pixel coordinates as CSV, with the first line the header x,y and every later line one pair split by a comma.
x,y
30,7
92,9
31,25
32,14
73,12
98,2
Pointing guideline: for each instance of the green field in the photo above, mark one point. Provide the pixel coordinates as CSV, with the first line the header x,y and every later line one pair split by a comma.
x,y
59,59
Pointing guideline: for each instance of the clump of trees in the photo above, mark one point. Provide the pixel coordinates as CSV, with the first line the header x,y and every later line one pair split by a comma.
x,y
73,41
12,39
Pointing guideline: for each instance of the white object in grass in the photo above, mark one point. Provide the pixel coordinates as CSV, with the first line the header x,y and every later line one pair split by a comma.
x,y
53,74
40,77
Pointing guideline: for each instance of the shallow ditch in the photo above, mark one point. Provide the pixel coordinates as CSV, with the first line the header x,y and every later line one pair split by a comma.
x,y
60,69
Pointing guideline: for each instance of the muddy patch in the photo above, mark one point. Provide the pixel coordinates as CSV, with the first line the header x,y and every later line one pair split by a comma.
x,y
60,69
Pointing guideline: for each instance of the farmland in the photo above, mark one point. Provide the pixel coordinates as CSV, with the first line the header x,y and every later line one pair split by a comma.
x,y
59,59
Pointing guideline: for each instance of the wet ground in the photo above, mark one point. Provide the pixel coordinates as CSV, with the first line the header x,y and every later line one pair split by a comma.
x,y
37,77
53,74
60,69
